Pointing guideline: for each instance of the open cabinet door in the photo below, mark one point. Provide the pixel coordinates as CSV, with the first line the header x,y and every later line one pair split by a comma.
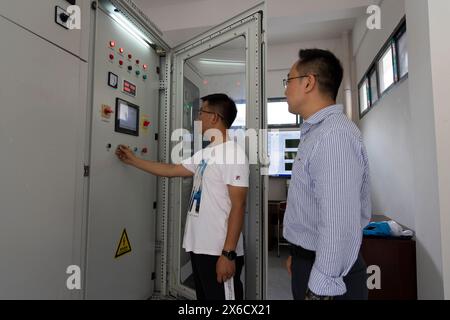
x,y
227,59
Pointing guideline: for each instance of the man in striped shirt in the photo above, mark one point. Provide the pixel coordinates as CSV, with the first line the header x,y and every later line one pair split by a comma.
x,y
329,197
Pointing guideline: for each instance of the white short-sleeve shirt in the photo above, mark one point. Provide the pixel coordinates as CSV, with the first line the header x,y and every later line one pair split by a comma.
x,y
215,168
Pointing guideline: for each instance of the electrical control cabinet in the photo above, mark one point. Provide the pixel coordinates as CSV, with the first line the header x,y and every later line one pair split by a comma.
x,y
77,223
42,137
125,112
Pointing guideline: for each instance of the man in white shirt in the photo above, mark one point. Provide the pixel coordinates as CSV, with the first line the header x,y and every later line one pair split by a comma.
x,y
213,232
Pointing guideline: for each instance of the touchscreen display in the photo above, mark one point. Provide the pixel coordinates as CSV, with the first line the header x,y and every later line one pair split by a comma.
x,y
127,118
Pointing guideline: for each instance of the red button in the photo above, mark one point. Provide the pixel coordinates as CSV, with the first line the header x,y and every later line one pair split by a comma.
x,y
111,56
137,61
108,111
146,123
144,150
121,62
130,56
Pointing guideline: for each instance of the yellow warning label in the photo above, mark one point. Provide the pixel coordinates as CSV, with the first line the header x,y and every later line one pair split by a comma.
x,y
124,246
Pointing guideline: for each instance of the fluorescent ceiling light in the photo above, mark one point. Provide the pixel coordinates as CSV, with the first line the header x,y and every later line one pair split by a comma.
x,y
222,62
132,29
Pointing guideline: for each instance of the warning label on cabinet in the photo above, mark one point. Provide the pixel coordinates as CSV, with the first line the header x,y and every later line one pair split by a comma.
x,y
124,246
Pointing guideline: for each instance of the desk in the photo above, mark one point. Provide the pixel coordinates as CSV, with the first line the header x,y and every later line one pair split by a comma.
x,y
276,216
397,261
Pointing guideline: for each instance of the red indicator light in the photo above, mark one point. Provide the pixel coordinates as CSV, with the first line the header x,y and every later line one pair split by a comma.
x,y
145,67
121,62
112,44
111,56
121,50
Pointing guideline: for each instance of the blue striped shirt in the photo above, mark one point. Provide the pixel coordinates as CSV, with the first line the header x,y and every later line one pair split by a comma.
x,y
329,197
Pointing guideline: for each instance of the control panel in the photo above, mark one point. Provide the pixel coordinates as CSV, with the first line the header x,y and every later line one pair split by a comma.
x,y
128,75
121,202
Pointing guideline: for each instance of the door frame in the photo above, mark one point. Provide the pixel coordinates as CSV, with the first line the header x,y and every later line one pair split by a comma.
x,y
251,25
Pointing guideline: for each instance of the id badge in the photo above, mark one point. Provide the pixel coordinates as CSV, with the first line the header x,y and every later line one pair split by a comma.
x,y
229,289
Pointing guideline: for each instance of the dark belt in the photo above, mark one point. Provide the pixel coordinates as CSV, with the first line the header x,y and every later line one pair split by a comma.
x,y
297,251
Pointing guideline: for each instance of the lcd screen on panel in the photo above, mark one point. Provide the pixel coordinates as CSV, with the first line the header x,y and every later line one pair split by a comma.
x,y
127,118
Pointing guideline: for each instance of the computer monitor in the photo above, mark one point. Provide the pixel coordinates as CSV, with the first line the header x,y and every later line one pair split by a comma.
x,y
282,147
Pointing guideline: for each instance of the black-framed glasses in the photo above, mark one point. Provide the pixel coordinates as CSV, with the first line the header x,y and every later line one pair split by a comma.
x,y
210,112
286,81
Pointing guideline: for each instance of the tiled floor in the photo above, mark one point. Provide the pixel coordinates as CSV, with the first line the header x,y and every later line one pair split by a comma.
x,y
279,281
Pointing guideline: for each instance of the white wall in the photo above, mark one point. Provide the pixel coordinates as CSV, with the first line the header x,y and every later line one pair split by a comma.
x,y
440,51
282,57
387,127
232,85
388,138
367,43
429,84
406,135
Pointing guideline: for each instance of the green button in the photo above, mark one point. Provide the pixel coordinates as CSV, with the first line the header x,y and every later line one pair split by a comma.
x,y
138,72
145,77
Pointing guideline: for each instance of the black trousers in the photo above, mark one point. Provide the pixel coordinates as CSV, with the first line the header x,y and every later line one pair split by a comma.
x,y
205,277
302,263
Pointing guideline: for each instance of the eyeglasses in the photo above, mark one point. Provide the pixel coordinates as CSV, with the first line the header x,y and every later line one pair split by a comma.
x,y
286,81
204,111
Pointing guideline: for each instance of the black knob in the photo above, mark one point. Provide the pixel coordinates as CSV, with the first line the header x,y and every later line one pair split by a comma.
x,y
130,68
64,17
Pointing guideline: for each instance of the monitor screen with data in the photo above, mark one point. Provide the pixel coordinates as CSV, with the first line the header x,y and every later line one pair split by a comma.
x,y
283,146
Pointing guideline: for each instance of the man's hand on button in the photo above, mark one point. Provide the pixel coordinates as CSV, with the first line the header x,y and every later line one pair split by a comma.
x,y
125,155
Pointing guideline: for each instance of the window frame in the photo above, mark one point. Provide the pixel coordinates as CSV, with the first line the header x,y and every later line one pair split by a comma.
x,y
362,82
374,70
238,102
401,32
392,42
383,51
299,120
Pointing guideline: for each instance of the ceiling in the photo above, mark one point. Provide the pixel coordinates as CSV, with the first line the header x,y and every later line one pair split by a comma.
x,y
289,30
161,3
228,58
288,20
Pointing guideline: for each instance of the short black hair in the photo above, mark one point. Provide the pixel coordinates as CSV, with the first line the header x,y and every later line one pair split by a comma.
x,y
224,106
326,66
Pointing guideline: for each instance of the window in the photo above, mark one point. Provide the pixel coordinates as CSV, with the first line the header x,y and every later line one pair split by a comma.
x,y
278,114
373,87
402,49
386,69
363,98
240,121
